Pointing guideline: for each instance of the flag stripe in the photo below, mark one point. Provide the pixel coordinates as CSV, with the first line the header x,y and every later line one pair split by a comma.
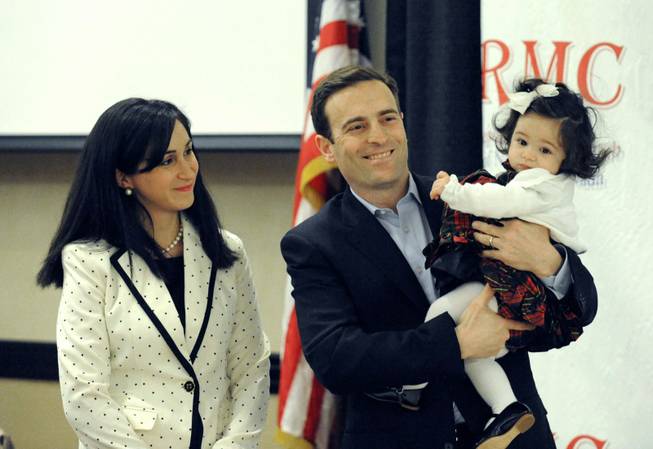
x,y
290,358
335,55
296,409
334,33
314,410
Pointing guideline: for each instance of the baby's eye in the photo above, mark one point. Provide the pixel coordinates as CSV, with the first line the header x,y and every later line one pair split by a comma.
x,y
521,142
545,151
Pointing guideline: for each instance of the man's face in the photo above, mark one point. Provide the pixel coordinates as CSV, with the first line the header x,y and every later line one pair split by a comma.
x,y
369,140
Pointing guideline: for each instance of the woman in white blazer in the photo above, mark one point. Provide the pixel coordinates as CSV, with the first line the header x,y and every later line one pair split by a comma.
x,y
158,333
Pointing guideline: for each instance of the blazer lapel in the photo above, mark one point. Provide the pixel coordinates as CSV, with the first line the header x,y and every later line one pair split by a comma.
x,y
151,292
432,209
199,280
369,237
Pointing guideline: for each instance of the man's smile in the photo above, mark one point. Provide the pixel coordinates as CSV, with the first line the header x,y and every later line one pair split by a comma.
x,y
376,156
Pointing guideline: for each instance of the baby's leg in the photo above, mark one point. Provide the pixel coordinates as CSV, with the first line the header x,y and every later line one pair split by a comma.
x,y
486,374
491,382
455,302
490,379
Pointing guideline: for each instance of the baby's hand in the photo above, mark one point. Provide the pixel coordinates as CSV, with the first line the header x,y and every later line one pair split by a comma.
x,y
441,180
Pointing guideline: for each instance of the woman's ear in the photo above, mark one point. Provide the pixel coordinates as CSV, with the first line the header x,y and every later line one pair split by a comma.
x,y
124,181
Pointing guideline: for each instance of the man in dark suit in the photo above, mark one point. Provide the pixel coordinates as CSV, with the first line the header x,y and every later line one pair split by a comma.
x,y
361,293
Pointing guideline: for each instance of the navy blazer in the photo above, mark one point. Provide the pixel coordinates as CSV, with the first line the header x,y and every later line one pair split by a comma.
x,y
360,311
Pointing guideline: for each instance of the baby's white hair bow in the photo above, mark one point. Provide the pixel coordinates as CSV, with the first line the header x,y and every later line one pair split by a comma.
x,y
520,101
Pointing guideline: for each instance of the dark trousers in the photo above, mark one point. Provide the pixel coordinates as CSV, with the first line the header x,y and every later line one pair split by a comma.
x,y
465,439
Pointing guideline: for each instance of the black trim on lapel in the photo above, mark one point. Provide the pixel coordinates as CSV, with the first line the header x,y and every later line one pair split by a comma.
x,y
432,209
371,239
197,430
207,314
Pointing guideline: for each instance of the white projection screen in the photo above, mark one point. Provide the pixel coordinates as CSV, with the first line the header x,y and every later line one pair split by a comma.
x,y
234,67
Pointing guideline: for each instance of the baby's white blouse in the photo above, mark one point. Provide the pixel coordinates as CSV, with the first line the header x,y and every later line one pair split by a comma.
x,y
533,195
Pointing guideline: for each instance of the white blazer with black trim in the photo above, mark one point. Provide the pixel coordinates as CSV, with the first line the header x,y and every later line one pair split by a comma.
x,y
132,378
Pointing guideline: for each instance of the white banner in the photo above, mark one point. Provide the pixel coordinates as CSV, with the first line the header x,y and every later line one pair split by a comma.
x,y
596,390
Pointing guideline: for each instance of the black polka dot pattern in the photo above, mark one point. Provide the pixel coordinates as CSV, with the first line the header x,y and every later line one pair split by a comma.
x,y
121,383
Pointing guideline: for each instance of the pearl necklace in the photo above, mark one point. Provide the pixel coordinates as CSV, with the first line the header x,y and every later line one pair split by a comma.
x,y
175,242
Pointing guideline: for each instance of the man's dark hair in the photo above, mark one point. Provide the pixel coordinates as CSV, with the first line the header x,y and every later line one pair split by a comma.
x,y
341,79
576,129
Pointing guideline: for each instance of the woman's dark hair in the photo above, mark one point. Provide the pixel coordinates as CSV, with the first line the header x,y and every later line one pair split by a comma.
x,y
576,129
336,81
127,134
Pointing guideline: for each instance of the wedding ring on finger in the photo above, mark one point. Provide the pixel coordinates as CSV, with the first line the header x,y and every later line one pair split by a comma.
x,y
491,242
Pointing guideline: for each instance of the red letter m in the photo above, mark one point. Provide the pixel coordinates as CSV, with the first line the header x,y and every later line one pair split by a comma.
x,y
558,60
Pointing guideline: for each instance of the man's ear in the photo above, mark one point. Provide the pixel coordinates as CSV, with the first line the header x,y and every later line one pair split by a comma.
x,y
124,181
325,147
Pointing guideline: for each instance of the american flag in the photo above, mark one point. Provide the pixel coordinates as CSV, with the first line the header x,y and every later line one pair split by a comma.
x,y
306,409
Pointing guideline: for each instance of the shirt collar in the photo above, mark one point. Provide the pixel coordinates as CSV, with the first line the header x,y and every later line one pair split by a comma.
x,y
412,193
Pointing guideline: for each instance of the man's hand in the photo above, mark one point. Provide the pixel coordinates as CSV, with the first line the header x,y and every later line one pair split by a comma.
x,y
441,180
481,332
521,245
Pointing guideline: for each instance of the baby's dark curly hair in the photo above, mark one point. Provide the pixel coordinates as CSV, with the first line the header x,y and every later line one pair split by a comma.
x,y
576,130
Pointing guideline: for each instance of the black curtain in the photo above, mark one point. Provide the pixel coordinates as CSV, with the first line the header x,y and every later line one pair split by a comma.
x,y
433,51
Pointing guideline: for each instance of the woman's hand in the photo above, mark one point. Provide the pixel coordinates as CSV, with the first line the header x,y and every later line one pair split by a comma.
x,y
521,245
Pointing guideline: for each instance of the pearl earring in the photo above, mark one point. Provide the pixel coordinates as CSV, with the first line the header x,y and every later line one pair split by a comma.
x,y
128,191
